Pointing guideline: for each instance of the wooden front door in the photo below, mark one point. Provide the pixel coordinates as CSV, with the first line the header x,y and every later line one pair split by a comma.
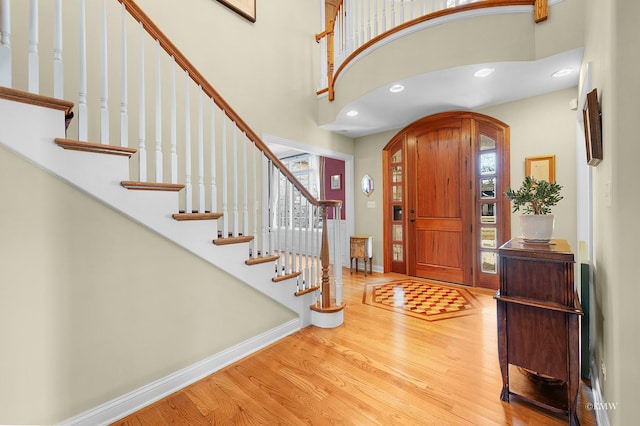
x,y
439,203
445,215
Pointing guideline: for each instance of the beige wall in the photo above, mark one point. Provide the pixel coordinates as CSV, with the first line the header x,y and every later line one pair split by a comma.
x,y
94,305
541,125
611,48
267,71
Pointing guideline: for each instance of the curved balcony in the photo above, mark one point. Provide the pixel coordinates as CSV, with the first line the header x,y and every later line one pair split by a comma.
x,y
434,58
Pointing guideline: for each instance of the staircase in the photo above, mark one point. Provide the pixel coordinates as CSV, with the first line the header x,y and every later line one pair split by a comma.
x,y
210,203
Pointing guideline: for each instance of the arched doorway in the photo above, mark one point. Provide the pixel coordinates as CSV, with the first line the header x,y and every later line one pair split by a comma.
x,y
444,213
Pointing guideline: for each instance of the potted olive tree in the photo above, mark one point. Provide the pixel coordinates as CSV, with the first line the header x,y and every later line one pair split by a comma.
x,y
535,198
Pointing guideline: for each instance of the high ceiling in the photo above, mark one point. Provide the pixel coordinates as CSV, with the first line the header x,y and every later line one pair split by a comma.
x,y
454,89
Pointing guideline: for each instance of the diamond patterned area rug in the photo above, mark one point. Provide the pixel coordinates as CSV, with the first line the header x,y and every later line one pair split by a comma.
x,y
430,301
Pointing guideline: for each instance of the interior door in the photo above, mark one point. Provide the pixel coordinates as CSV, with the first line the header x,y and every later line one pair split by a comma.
x,y
439,202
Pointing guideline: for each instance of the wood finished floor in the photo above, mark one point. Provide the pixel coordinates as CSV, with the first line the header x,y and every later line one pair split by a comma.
x,y
378,368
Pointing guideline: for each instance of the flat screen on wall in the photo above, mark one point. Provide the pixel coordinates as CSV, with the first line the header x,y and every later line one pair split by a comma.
x,y
592,128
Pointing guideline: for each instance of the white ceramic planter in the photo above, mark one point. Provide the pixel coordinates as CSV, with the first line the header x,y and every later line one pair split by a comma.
x,y
537,227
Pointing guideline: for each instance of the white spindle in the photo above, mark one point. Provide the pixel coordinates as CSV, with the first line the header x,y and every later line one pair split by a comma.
x,y
174,126
188,202
368,20
124,84
201,194
423,10
256,205
83,131
5,43
393,14
337,255
375,19
58,72
245,186
225,210
267,210
234,178
384,16
34,59
287,223
212,151
104,80
158,121
142,150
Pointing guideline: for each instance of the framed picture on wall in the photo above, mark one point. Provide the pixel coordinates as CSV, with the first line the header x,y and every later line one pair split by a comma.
x,y
336,182
542,167
246,8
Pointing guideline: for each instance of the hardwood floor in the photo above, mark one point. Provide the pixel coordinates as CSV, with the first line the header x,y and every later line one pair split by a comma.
x,y
378,368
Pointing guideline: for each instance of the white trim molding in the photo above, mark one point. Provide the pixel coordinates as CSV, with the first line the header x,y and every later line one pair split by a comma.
x,y
131,402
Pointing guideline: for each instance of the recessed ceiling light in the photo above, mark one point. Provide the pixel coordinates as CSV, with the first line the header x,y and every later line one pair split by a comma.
x,y
352,113
562,73
396,88
484,72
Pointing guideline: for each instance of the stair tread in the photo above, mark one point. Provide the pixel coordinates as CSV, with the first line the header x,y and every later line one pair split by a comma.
x,y
76,145
233,240
261,259
307,290
151,186
197,216
288,276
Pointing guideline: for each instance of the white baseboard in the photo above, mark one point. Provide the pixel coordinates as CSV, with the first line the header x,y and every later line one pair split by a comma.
x,y
601,415
133,401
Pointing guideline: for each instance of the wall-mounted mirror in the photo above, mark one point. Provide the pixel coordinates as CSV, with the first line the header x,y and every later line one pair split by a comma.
x,y
367,185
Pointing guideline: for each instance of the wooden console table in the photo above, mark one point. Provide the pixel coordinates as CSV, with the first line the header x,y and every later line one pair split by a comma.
x,y
538,320
361,247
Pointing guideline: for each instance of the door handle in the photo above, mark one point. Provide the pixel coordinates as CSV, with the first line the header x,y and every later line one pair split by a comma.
x,y
412,220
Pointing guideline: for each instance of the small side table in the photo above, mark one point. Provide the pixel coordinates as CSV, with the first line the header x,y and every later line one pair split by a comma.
x,y
361,247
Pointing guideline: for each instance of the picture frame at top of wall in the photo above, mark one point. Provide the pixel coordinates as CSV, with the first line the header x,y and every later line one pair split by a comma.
x,y
245,8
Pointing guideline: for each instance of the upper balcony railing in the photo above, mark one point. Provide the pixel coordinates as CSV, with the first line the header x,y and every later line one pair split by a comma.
x,y
359,24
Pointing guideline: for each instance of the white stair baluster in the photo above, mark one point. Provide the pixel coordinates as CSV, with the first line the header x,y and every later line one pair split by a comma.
x,y
174,123
375,19
201,194
142,151
58,71
368,20
225,210
384,16
124,84
267,207
34,59
104,80
188,194
5,43
212,150
83,133
234,177
158,121
256,205
245,186
337,255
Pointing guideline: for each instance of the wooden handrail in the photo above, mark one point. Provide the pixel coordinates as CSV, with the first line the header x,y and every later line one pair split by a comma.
x,y
152,29
541,11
